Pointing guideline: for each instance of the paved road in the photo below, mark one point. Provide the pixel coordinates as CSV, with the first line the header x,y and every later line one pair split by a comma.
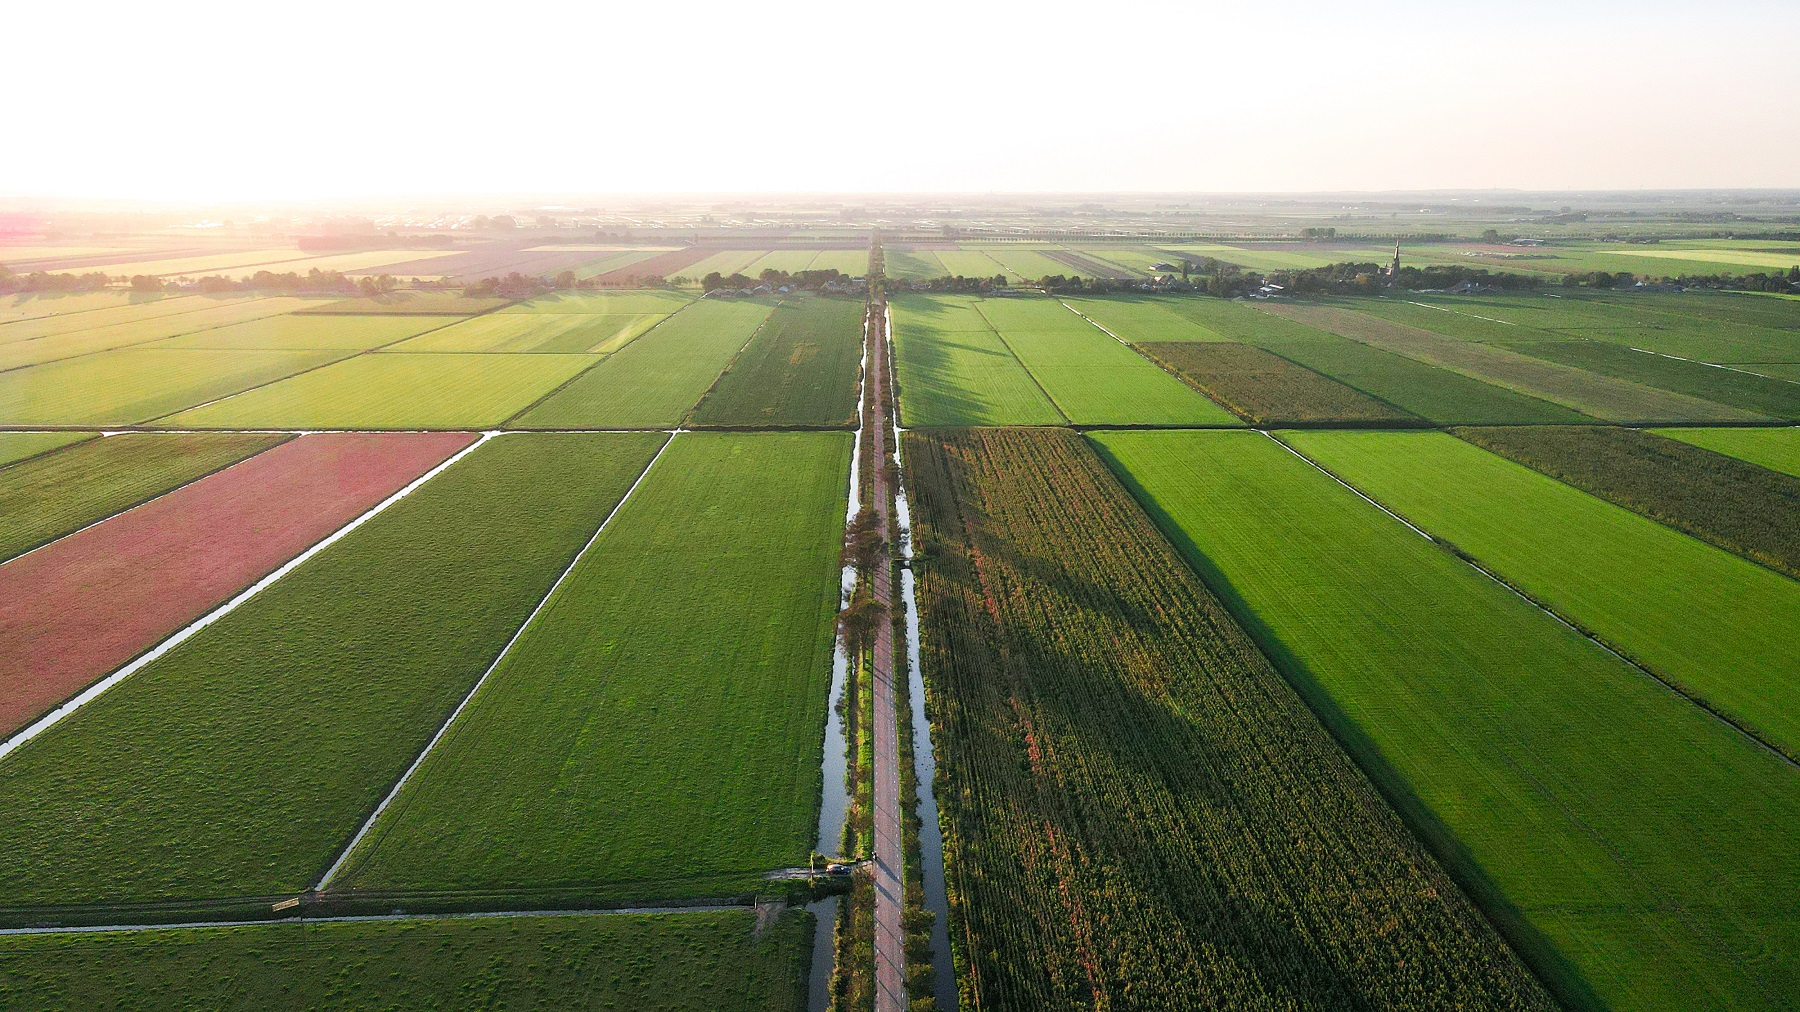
x,y
890,855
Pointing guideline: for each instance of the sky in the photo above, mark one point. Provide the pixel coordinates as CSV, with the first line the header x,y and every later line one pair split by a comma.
x,y
224,102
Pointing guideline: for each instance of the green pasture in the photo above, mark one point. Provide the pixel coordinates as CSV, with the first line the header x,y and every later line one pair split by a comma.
x,y
714,960
1633,847
553,333
624,302
17,446
789,260
801,368
656,732
655,381
240,763
970,263
130,386
853,263
1265,389
140,331
36,316
953,369
310,333
394,391
44,305
725,262
1138,319
1024,262
1775,449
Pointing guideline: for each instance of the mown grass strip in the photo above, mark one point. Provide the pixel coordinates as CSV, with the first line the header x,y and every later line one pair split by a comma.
x,y
46,497
711,960
1140,809
1735,386
1704,619
800,369
1265,389
656,733
1632,846
240,762
657,379
1719,499
1774,449
17,446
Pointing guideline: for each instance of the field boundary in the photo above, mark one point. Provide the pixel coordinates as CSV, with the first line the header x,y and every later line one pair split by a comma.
x,y
94,691
1014,353
519,633
694,409
88,929
560,387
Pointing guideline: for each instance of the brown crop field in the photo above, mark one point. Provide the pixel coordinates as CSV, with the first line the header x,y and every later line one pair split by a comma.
x,y
1265,389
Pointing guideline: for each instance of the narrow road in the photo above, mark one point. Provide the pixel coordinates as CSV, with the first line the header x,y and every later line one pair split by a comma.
x,y
890,855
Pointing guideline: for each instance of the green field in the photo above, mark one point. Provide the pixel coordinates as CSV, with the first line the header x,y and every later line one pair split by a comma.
x,y
1024,262
701,960
394,391
969,264
656,733
725,262
239,763
1721,331
132,386
602,303
142,331
802,368
790,261
310,333
1140,810
953,369
852,263
406,302
106,310
656,380
1772,397
1704,618
46,497
1265,389
1775,449
17,446
44,305
566,333
912,264
1633,847
1138,319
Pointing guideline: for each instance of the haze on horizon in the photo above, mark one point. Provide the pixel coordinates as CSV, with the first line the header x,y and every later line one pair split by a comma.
x,y
217,102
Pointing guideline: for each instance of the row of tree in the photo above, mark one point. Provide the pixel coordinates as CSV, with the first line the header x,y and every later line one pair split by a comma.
x,y
810,280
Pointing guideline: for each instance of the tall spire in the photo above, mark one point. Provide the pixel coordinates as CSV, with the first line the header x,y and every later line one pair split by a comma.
x,y
1394,268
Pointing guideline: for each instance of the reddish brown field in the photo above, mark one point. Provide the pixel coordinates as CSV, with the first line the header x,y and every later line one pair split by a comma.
x,y
660,265
80,607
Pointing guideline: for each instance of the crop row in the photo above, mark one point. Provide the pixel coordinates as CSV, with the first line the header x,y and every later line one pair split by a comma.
x,y
800,369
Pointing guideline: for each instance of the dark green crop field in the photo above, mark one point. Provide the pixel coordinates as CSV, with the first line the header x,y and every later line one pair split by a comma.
x,y
241,762
656,733
1731,503
1141,810
800,369
1740,387
1265,389
1633,847
709,960
45,497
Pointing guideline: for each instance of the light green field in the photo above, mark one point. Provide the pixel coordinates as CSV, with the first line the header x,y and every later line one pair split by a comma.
x,y
602,303
1261,258
1710,621
553,333
1719,329
133,385
17,446
311,333
1137,319
213,263
970,264
1024,262
1775,449
1634,848
1729,257
611,262
789,260
854,263
912,264
654,381
725,262
125,334
1090,377
656,732
63,306
954,370
389,391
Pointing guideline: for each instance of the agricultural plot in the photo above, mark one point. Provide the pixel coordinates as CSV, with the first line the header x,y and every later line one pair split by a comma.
x,y
91,601
1593,394
96,309
1775,449
1265,389
552,333
1137,319
705,959
952,368
969,263
1717,498
1141,810
393,391
408,302
1631,846
911,263
612,262
602,303
655,381
1730,260
1261,258
239,763
1706,620
1634,321
789,260
802,369
120,335
309,333
724,262
851,263
194,266
131,386
1738,387
17,446
656,733
47,497
1090,377
1023,262
1429,392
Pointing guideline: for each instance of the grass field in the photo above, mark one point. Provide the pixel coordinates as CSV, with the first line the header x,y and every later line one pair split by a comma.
x,y
970,263
239,763
134,385
602,303
1090,377
17,446
1024,262
1721,331
1591,393
310,333
214,263
97,309
711,960
394,391
1772,397
912,264
657,379
953,369
802,368
49,496
725,262
408,302
553,333
1141,810
1633,847
1775,449
1710,621
657,731
121,335
1138,319
1265,389
852,263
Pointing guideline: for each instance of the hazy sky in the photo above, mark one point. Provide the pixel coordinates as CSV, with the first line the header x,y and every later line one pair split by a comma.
x,y
232,101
